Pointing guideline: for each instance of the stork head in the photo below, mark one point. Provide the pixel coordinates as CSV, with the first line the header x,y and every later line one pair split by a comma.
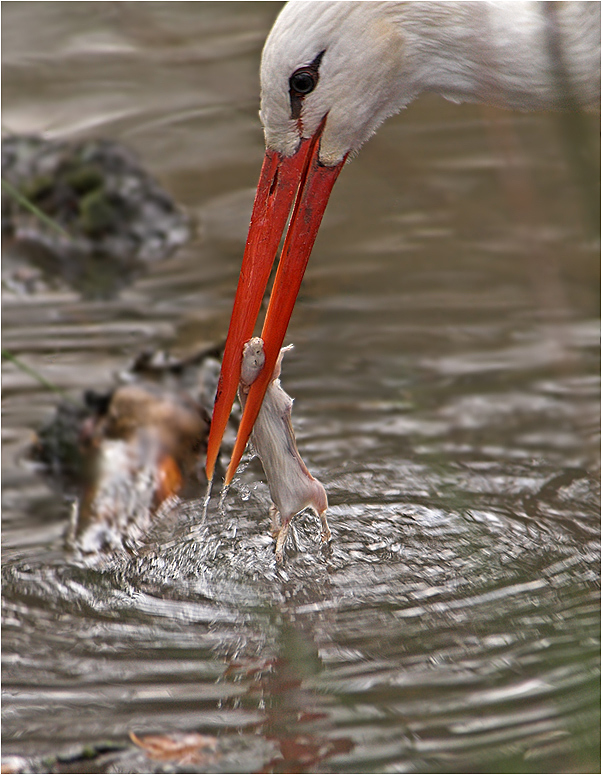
x,y
341,63
330,76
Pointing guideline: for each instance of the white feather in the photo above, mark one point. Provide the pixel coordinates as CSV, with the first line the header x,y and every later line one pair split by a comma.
x,y
381,55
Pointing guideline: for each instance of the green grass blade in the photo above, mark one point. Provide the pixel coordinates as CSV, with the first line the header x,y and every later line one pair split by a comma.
x,y
8,356
24,202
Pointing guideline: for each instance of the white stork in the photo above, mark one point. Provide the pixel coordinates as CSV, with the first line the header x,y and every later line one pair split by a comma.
x,y
331,73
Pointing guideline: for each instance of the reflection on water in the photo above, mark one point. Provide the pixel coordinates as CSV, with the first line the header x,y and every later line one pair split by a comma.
x,y
446,383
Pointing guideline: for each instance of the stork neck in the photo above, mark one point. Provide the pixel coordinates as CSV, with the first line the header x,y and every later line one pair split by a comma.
x,y
520,55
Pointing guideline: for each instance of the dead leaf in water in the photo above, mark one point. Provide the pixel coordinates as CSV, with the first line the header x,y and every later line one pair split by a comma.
x,y
182,748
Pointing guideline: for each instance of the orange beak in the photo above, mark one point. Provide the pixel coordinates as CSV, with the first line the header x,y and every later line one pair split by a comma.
x,y
299,182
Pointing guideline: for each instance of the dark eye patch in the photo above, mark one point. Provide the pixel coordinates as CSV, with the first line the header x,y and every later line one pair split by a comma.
x,y
302,82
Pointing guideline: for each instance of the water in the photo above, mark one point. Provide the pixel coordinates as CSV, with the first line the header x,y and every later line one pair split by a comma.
x,y
445,372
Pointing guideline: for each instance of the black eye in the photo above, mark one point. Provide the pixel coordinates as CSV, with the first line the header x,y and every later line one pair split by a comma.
x,y
303,81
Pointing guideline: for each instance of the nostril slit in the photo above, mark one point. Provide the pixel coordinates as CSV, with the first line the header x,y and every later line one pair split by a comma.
x,y
274,183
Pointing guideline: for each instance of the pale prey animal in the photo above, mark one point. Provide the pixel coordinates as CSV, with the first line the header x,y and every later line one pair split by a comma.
x,y
292,487
331,73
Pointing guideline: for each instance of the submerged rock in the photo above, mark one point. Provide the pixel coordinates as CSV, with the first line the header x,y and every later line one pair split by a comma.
x,y
111,215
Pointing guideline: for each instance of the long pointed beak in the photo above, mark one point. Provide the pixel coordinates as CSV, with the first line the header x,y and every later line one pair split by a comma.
x,y
301,179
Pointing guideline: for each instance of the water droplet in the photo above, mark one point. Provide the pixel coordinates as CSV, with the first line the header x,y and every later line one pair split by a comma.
x,y
206,500
221,508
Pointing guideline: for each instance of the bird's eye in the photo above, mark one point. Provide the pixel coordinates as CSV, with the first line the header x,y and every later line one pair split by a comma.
x,y
303,81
